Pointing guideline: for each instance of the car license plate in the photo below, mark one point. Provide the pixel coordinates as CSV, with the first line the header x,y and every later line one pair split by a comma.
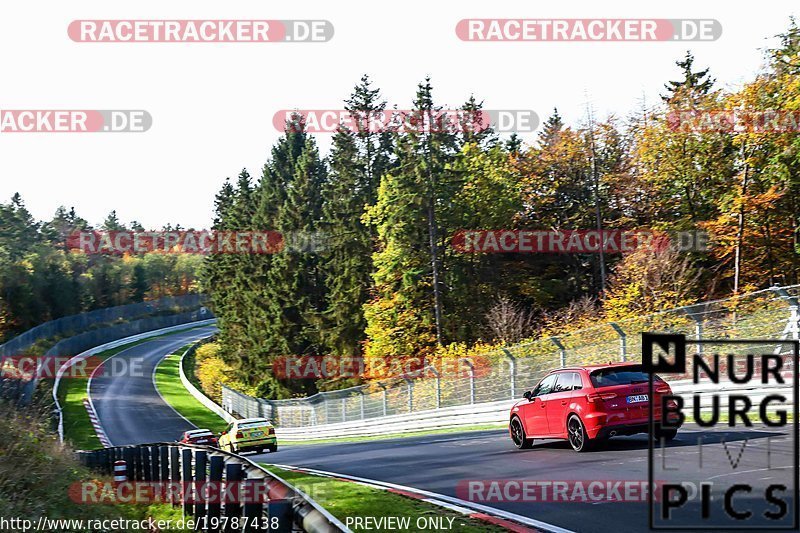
x,y
638,398
257,434
202,441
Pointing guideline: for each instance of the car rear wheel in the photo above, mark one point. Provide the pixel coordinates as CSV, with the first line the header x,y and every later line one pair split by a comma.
x,y
518,435
577,436
666,434
273,448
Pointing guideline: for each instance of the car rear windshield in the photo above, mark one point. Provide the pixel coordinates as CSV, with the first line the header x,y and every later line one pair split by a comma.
x,y
623,375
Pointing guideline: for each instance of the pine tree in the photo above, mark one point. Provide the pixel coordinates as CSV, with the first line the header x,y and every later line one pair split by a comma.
x,y
551,129
694,85
112,223
405,317
357,161
347,259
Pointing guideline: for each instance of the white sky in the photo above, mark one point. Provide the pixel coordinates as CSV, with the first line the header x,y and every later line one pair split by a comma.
x,y
212,104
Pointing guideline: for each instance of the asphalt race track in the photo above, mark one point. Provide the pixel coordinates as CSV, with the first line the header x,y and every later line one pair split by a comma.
x,y
128,405
131,411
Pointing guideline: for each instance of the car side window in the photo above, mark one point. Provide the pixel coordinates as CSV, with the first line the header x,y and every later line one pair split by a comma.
x,y
563,382
546,386
577,382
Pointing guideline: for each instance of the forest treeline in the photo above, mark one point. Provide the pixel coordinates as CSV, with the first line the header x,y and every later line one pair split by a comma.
x,y
387,282
42,279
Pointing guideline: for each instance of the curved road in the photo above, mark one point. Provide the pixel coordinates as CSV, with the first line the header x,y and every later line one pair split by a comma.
x,y
125,397
132,411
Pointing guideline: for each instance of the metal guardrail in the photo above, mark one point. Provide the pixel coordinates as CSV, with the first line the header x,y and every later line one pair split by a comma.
x,y
770,313
188,470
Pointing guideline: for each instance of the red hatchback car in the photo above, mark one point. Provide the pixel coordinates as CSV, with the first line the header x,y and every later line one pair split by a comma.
x,y
199,436
587,405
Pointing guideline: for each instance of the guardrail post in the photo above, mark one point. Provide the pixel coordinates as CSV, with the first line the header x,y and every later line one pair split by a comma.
x,y
233,476
410,391
385,399
471,380
215,467
200,464
155,467
101,460
561,350
136,465
131,462
282,510
163,452
438,378
698,326
253,508
512,370
174,472
186,481
147,474
623,341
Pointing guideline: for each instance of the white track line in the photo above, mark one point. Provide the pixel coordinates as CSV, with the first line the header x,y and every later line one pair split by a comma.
x,y
436,496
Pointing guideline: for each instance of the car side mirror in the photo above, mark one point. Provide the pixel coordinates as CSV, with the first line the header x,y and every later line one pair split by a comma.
x,y
528,396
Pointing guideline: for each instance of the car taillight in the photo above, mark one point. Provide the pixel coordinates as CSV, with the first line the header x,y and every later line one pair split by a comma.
x,y
600,396
239,435
663,390
271,431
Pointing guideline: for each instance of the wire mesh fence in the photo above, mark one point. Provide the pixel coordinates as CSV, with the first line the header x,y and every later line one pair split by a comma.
x,y
767,314
71,325
78,333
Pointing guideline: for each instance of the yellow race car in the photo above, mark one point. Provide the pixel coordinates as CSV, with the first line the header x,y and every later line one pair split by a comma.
x,y
248,435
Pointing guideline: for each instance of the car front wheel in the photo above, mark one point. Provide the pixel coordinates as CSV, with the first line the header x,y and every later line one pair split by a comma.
x,y
518,435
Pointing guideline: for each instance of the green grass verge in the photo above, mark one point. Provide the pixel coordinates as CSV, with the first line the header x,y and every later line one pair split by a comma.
x,y
41,477
168,381
344,499
78,429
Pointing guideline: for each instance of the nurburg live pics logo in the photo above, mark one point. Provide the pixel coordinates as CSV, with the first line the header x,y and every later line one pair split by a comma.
x,y
762,375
